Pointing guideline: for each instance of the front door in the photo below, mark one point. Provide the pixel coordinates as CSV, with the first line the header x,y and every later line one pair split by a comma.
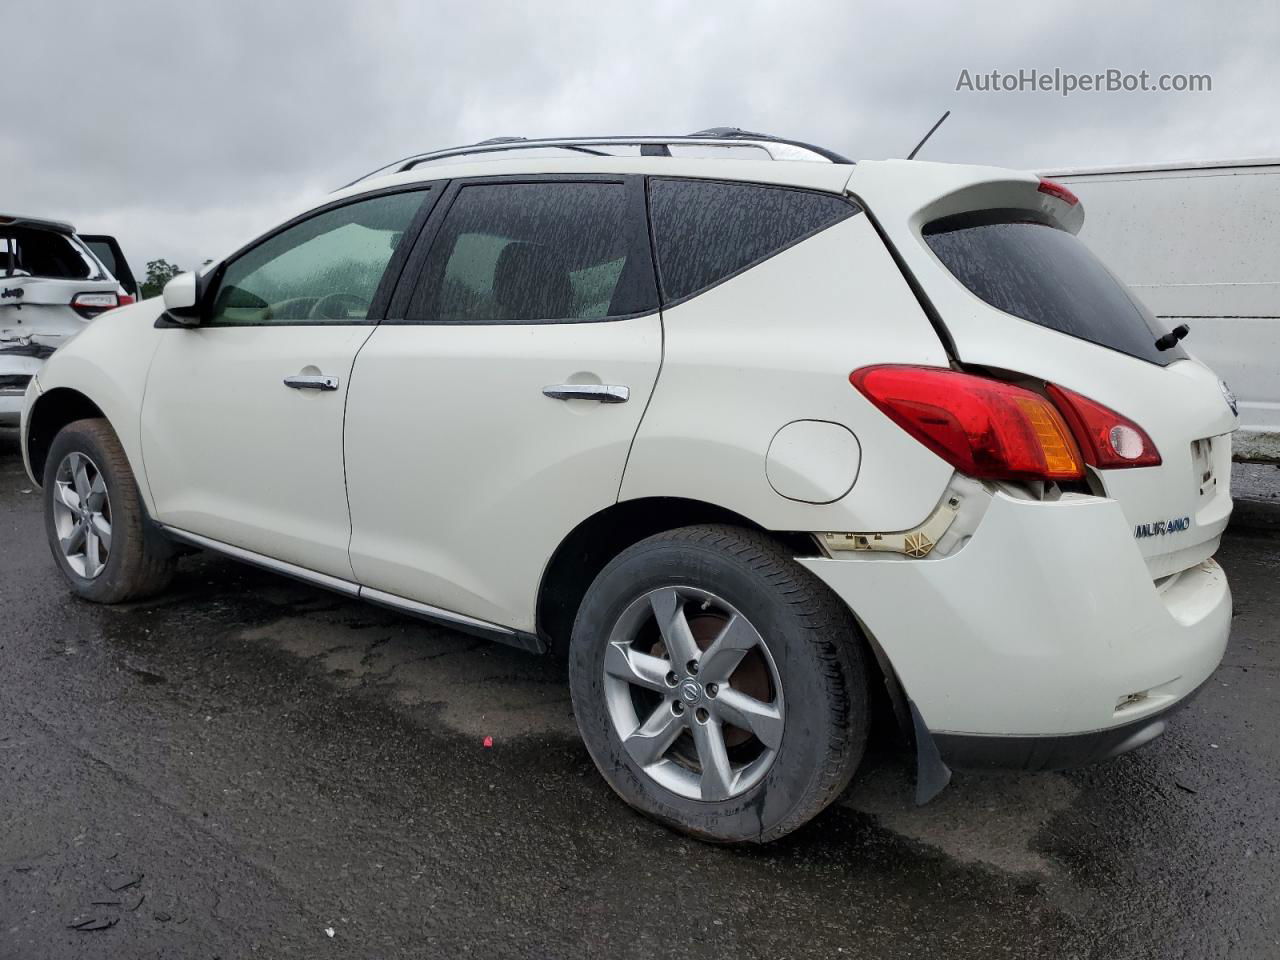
x,y
242,419
495,418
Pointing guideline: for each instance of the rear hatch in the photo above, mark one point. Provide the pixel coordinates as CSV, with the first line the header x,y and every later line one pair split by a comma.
x,y
1017,294
51,284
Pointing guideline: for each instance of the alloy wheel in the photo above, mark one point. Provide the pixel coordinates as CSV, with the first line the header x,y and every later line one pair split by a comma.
x,y
693,693
82,515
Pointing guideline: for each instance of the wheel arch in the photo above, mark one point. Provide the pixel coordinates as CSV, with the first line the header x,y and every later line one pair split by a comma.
x,y
589,547
585,551
52,411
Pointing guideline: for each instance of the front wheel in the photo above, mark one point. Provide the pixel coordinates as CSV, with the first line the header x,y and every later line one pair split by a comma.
x,y
95,521
719,687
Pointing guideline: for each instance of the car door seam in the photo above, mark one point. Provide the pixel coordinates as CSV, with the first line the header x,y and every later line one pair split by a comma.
x,y
346,486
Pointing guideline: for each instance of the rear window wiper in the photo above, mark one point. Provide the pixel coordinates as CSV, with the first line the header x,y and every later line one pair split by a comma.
x,y
1170,339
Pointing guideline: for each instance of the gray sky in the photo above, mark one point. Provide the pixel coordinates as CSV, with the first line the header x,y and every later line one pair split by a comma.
x,y
185,129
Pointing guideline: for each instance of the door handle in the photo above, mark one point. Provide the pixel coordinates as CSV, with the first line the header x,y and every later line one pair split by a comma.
x,y
301,382
601,392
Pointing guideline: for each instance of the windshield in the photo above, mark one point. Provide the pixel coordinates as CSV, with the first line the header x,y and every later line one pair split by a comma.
x,y
1048,276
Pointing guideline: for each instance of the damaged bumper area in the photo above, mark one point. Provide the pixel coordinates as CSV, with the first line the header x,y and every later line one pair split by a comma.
x,y
1043,642
20,361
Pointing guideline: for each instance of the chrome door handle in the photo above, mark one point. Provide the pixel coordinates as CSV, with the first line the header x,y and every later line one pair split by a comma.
x,y
311,383
602,392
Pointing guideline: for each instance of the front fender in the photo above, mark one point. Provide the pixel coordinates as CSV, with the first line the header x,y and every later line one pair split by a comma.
x,y
107,363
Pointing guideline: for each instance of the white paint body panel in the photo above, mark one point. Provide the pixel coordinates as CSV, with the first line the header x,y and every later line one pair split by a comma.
x,y
1198,243
1040,624
234,455
463,477
777,344
814,461
108,361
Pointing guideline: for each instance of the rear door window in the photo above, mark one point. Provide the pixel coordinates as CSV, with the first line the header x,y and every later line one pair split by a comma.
x,y
537,252
1048,276
706,231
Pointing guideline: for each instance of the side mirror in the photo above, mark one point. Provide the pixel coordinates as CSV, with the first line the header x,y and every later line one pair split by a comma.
x,y
182,300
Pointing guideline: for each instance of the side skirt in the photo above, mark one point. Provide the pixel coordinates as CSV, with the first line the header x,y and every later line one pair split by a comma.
x,y
425,611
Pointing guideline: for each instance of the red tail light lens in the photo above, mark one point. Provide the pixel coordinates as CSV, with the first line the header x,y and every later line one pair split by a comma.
x,y
981,427
89,305
124,300
1054,189
1109,441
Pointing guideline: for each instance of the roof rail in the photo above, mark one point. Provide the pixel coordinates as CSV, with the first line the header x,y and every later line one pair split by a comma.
x,y
776,148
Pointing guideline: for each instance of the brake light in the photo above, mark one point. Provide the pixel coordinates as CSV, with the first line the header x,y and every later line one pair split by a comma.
x,y
89,305
982,427
1055,189
124,299
1109,440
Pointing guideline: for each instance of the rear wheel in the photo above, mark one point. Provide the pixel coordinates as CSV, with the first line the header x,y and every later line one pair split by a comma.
x,y
94,518
720,688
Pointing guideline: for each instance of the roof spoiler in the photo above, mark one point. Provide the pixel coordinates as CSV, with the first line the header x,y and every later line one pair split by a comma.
x,y
57,226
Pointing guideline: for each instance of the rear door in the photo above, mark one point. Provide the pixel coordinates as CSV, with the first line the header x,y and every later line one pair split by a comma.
x,y
1018,292
495,410
242,418
107,250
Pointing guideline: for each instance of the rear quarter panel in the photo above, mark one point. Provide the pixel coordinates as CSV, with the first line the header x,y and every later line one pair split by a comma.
x,y
776,344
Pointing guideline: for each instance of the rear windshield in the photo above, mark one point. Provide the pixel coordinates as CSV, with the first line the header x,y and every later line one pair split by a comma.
x,y
1048,276
29,251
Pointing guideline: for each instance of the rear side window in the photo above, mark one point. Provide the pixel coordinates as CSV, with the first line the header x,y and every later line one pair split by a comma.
x,y
1048,276
705,231
530,252
106,256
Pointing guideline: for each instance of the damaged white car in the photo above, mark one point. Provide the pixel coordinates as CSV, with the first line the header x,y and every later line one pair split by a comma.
x,y
51,285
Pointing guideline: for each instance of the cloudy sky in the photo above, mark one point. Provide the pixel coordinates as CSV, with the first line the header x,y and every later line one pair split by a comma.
x,y
187,128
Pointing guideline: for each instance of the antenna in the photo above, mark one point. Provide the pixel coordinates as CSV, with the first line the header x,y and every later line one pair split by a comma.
x,y
912,154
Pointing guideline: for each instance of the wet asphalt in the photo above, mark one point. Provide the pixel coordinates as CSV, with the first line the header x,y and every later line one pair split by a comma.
x,y
251,767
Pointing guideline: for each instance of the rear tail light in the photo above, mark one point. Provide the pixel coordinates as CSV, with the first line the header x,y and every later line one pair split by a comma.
x,y
89,305
1107,439
1054,189
124,300
982,427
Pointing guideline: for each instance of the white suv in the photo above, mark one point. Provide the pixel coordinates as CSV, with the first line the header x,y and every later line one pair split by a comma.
x,y
751,433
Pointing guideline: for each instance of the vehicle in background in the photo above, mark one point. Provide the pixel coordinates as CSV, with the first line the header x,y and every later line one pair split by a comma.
x,y
1197,242
51,285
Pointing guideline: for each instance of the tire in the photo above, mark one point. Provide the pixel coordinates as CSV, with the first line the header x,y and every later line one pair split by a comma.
x,y
808,725
137,561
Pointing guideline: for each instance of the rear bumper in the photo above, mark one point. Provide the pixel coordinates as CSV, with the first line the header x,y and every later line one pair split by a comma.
x,y
1043,641
963,751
